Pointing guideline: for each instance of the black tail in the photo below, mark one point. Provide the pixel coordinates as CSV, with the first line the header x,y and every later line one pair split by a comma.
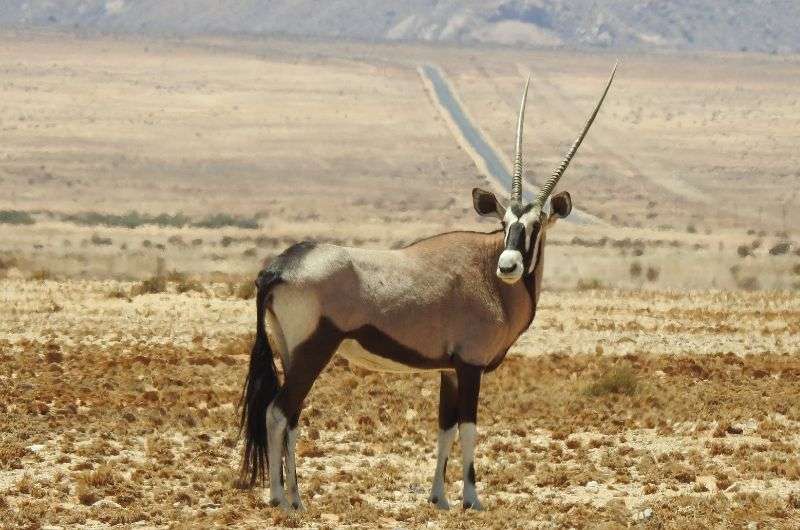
x,y
260,388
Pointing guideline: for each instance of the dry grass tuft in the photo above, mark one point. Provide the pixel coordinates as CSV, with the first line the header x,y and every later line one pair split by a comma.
x,y
11,455
188,285
154,285
619,380
246,290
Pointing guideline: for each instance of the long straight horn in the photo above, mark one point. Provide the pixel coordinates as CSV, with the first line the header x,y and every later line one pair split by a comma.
x,y
516,182
548,187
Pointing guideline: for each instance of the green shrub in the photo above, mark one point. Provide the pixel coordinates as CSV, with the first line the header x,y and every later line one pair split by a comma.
x,y
15,217
222,220
132,219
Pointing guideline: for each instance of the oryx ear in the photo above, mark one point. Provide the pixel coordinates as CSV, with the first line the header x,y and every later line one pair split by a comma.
x,y
486,203
560,205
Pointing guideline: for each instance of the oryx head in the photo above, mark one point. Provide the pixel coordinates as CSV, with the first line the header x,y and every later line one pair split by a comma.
x,y
524,224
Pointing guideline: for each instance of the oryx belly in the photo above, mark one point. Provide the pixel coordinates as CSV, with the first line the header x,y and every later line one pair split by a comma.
x,y
353,351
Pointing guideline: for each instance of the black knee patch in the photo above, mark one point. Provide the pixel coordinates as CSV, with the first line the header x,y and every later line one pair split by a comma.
x,y
471,473
294,420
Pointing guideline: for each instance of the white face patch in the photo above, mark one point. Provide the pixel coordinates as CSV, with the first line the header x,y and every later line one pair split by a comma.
x,y
510,264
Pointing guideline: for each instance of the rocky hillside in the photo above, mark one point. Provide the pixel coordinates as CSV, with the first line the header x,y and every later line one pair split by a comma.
x,y
758,25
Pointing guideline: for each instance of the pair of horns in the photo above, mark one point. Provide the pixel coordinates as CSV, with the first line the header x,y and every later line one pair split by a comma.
x,y
547,189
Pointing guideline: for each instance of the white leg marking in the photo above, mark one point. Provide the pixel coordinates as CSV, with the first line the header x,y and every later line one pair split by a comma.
x,y
276,433
468,435
445,443
291,469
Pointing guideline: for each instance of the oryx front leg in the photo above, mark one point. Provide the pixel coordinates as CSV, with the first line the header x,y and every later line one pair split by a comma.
x,y
448,418
469,386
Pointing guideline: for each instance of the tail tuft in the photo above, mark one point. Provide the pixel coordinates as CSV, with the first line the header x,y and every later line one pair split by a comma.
x,y
260,388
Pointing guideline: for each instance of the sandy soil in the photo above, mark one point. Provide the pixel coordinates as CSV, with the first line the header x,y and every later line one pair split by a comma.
x,y
666,410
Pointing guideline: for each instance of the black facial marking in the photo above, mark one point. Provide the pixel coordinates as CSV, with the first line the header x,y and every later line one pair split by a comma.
x,y
471,473
527,257
515,238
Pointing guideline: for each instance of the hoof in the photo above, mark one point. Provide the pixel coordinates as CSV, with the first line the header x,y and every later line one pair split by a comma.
x,y
440,503
283,504
473,505
298,506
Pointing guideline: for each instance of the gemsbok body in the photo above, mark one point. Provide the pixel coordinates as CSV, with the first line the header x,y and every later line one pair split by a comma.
x,y
454,303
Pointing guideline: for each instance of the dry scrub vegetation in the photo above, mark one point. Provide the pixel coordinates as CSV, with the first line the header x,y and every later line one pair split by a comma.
x,y
121,410
143,183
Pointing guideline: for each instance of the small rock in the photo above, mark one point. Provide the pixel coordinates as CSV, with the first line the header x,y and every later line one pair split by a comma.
x,y
593,486
752,525
643,515
208,504
734,429
106,503
35,448
709,481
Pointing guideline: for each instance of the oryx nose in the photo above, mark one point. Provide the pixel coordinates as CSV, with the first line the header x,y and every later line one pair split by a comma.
x,y
508,270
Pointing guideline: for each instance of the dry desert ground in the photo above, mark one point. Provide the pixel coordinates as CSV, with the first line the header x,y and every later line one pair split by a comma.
x,y
143,182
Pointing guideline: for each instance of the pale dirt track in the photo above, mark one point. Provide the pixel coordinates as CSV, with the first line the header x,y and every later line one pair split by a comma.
x,y
121,412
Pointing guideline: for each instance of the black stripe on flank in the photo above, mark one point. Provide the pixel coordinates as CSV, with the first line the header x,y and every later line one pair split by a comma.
x,y
379,343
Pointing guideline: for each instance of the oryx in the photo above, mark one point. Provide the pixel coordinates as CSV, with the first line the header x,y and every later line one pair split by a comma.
x,y
454,303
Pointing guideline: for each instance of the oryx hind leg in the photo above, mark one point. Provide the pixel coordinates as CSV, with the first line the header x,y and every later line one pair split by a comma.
x,y
302,367
448,419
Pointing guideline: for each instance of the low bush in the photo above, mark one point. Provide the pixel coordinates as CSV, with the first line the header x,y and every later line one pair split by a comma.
x,y
154,285
588,284
132,219
619,380
222,220
16,217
